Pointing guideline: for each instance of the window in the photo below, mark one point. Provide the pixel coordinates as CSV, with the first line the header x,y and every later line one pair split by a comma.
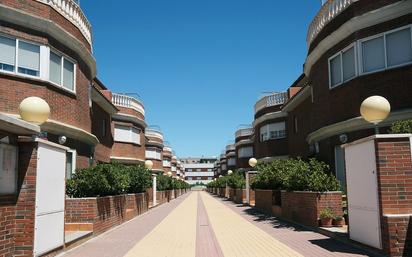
x,y
273,131
231,162
7,54
126,134
61,71
28,59
24,58
399,47
342,67
245,152
8,169
388,50
373,54
70,163
153,153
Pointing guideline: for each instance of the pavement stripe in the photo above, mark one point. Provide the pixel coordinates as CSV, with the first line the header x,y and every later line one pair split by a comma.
x,y
175,236
206,242
240,238
118,241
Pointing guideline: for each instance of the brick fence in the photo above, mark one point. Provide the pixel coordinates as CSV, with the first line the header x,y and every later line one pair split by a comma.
x,y
105,212
300,207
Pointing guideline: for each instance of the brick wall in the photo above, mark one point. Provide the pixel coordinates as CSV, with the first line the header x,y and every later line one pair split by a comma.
x,y
44,11
103,149
263,200
305,207
397,236
105,212
240,196
300,207
394,168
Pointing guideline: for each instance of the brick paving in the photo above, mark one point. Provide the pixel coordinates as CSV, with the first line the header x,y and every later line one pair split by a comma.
x,y
201,225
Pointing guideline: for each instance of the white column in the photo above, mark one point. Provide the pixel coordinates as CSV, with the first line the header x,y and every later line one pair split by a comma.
x,y
154,189
248,185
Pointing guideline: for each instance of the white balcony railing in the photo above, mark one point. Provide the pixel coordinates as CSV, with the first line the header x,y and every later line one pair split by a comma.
x,y
231,147
244,132
128,102
72,12
271,100
154,132
328,12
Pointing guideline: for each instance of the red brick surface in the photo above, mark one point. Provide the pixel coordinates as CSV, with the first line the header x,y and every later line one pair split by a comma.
x,y
105,212
300,207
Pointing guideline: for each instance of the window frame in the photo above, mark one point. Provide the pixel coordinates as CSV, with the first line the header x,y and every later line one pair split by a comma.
x,y
340,53
130,134
74,160
44,63
63,57
267,132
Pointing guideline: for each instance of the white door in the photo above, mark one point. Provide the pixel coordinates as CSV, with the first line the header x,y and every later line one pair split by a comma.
x,y
50,198
363,205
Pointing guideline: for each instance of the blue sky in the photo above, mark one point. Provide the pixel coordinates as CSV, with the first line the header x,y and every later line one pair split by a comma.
x,y
199,65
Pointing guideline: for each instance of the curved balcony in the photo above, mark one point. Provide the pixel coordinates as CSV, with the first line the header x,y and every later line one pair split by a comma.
x,y
154,131
72,12
327,13
271,99
230,148
129,101
244,131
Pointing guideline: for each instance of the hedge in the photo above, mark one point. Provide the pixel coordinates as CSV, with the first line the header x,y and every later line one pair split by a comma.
x,y
401,127
115,179
295,175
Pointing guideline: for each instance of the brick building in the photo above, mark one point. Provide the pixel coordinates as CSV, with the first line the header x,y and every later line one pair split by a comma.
x,y
128,129
198,170
154,148
244,147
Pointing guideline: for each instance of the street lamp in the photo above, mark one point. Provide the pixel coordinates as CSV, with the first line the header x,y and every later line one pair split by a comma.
x,y
253,162
169,173
375,109
35,110
148,164
229,172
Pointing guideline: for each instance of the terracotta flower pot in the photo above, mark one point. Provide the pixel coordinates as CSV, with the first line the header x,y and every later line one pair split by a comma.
x,y
326,222
339,223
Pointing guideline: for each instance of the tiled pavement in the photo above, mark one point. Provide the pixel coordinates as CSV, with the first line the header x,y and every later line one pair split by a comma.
x,y
201,225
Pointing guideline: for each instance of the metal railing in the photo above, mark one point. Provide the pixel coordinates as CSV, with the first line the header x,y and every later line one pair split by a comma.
x,y
127,101
72,12
271,100
243,132
327,13
154,131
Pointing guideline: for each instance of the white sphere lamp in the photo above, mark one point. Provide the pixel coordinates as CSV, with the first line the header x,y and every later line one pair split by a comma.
x,y
35,110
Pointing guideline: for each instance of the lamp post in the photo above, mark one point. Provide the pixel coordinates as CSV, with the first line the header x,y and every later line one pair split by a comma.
x,y
252,163
35,110
149,165
375,109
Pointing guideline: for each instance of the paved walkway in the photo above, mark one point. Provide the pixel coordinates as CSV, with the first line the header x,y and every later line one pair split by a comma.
x,y
201,225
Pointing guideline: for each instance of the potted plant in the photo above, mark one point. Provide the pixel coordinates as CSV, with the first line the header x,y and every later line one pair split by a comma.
x,y
326,217
338,221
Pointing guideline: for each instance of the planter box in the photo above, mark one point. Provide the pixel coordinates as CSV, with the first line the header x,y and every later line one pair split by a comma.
x,y
222,192
299,207
240,196
305,207
232,194
263,200
104,213
252,197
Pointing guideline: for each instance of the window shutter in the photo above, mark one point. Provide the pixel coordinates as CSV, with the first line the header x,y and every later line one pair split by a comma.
x,y
398,47
7,51
55,68
373,55
29,56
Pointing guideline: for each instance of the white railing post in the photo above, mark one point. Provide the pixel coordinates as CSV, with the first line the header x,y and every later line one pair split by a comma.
x,y
154,177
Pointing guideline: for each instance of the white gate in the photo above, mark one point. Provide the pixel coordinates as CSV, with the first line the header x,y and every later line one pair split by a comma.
x,y
50,198
362,190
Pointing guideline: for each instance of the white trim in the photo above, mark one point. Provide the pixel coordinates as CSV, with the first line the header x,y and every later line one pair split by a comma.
x,y
340,53
74,163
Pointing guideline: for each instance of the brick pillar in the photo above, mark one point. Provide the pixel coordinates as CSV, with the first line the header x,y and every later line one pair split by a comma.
x,y
25,204
394,166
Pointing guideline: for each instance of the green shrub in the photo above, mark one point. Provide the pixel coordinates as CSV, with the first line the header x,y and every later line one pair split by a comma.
x,y
401,127
236,180
108,179
327,213
295,175
163,182
140,179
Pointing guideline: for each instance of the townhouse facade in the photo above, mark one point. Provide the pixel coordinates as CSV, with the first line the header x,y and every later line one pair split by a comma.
x,y
198,170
